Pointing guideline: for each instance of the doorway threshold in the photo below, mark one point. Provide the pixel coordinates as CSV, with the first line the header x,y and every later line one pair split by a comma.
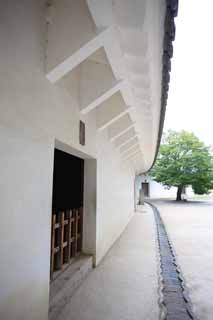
x,y
65,284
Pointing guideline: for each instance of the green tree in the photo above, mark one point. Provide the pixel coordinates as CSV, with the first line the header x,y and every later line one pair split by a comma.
x,y
184,160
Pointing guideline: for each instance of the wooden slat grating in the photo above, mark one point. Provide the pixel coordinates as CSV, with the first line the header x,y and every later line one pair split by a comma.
x,y
66,238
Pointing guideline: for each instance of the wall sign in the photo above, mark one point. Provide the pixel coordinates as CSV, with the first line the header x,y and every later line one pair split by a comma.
x,y
82,133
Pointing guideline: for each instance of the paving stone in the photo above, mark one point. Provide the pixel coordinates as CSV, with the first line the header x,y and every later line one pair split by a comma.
x,y
171,288
179,316
175,301
171,281
168,264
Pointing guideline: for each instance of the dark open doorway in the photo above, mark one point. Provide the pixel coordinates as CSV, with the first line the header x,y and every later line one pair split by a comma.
x,y
68,176
67,210
145,187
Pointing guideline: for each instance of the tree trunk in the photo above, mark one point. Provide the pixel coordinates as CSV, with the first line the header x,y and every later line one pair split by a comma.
x,y
179,193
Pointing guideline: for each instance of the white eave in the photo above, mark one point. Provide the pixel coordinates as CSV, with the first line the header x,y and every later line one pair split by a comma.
x,y
119,46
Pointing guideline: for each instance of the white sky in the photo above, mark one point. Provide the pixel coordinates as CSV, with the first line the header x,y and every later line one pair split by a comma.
x,y
190,102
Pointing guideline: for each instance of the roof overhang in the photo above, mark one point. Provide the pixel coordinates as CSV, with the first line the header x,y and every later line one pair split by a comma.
x,y
122,50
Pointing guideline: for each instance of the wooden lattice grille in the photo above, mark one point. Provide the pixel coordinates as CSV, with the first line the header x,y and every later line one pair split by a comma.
x,y
66,238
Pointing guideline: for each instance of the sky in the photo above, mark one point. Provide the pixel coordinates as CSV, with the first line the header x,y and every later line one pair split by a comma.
x,y
190,100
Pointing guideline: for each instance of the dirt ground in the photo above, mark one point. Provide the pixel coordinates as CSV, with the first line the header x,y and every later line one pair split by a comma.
x,y
190,228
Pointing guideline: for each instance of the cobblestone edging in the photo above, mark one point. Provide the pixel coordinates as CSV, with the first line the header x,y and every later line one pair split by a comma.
x,y
173,297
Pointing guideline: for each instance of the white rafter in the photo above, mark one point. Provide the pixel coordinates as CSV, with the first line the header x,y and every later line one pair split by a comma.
x,y
117,86
79,56
114,119
127,141
132,154
130,148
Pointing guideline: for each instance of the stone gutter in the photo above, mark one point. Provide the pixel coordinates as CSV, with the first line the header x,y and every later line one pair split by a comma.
x,y
174,300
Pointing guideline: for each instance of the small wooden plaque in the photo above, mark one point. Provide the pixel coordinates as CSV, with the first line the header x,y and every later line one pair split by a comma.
x,y
82,133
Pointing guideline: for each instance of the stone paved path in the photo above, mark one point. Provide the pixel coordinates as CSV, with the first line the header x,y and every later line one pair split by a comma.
x,y
125,284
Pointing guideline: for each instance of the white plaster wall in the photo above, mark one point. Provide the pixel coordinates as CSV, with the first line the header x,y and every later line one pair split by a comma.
x,y
25,206
65,23
110,109
96,79
157,190
33,113
115,196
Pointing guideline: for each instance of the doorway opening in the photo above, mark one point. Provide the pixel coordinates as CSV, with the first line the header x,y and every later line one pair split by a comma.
x,y
145,187
67,211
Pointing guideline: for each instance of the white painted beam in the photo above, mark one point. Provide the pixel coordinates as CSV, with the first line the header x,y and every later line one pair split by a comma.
x,y
120,127
133,146
142,94
117,86
137,64
114,119
122,132
122,139
127,141
131,150
79,56
129,145
110,111
132,155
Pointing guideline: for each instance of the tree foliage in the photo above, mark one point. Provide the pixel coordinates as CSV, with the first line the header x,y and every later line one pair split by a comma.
x,y
184,160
